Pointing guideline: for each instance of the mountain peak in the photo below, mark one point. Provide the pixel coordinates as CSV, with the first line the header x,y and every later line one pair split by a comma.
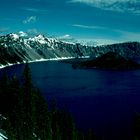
x,y
14,36
39,38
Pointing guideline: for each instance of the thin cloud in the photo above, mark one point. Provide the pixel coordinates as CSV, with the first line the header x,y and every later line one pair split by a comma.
x,y
88,27
130,6
34,10
129,36
30,19
124,35
67,38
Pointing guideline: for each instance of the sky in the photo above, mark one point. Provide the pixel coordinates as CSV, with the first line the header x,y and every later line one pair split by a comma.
x,y
101,20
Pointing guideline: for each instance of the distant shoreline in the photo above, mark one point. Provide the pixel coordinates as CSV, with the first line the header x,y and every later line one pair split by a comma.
x,y
41,60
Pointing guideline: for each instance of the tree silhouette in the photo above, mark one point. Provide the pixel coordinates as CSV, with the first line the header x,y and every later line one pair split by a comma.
x,y
27,114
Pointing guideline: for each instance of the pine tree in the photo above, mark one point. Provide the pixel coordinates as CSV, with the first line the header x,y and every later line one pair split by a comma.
x,y
10,130
37,116
4,92
90,135
17,117
28,117
28,101
43,121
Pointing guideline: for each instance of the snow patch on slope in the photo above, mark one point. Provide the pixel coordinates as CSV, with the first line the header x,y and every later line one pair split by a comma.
x,y
39,39
14,36
3,137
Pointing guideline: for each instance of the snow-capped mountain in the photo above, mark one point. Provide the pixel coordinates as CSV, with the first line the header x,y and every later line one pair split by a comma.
x,y
20,47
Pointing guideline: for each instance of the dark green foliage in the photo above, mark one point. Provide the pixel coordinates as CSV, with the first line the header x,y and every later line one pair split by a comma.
x,y
27,115
90,135
4,93
62,126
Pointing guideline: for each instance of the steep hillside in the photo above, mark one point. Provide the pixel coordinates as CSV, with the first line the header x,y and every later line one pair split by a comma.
x,y
110,60
16,48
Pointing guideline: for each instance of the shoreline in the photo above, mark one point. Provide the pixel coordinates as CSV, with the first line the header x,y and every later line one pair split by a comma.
x,y
41,60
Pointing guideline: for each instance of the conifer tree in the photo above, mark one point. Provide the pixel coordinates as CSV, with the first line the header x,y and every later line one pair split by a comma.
x,y
90,135
43,121
28,101
28,117
4,82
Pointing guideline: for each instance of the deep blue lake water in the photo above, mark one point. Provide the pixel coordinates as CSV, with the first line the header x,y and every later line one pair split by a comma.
x,y
100,99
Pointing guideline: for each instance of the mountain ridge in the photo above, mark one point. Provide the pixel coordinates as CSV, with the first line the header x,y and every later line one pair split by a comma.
x,y
20,47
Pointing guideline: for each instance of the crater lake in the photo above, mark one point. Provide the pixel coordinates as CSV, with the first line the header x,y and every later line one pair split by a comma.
x,y
102,100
